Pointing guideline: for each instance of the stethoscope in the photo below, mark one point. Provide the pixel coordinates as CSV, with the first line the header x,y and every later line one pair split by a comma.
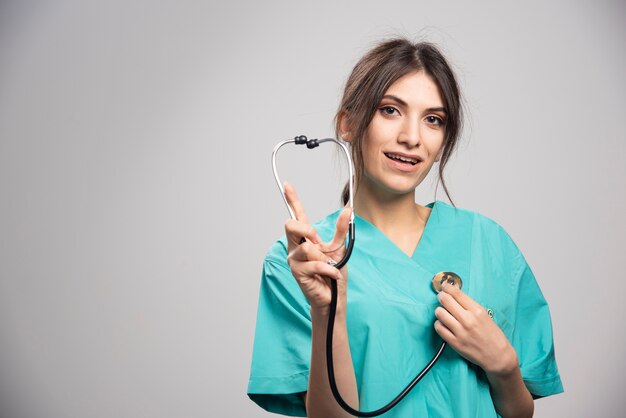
x,y
438,280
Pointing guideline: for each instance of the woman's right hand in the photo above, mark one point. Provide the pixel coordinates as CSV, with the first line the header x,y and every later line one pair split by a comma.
x,y
308,259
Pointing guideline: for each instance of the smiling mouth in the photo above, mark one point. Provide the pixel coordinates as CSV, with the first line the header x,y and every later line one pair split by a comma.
x,y
402,158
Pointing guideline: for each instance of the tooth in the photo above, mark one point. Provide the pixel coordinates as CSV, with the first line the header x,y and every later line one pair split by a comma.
x,y
403,159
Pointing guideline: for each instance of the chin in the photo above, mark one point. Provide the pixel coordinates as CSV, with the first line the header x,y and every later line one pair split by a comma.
x,y
399,188
393,185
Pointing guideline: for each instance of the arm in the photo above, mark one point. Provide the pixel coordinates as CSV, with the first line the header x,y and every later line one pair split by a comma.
x,y
319,399
510,396
467,327
307,261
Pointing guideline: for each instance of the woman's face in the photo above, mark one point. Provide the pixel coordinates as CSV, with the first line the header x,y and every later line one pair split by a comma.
x,y
405,136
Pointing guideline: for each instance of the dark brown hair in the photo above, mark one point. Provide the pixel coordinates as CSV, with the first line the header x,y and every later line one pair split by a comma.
x,y
375,72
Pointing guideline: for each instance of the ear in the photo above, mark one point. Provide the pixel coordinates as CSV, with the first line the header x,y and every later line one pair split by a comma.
x,y
345,130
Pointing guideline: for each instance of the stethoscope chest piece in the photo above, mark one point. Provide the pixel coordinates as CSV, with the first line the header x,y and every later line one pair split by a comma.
x,y
447,277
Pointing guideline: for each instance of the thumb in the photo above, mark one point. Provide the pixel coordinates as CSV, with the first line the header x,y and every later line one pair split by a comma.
x,y
341,228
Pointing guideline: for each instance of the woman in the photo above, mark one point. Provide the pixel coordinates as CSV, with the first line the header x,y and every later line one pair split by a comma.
x,y
401,114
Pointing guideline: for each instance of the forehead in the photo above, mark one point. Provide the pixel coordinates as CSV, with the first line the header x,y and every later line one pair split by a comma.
x,y
416,88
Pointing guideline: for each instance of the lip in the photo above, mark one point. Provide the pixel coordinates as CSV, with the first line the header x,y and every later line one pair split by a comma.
x,y
407,168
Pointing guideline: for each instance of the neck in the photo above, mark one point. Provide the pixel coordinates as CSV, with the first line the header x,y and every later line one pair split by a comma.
x,y
389,212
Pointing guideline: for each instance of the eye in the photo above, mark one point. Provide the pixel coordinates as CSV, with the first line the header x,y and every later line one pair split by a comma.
x,y
388,110
435,120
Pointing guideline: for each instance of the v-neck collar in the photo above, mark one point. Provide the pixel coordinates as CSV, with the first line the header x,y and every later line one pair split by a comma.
x,y
433,218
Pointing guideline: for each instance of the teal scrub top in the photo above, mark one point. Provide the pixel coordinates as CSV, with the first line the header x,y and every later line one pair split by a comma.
x,y
390,318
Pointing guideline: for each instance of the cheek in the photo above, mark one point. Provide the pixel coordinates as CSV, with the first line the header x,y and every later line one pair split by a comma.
x,y
368,158
369,151
434,143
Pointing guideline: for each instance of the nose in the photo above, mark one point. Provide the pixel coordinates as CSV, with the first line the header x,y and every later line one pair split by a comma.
x,y
410,133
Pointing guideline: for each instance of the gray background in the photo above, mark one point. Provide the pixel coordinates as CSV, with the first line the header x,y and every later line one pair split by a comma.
x,y
136,197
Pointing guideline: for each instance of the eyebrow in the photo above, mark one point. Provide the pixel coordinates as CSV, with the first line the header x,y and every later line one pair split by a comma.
x,y
403,103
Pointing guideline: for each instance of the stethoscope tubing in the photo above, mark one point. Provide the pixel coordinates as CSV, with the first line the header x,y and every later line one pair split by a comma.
x,y
331,372
312,143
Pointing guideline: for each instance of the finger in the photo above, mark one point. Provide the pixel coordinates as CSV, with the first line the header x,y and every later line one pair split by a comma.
x,y
444,332
341,228
448,320
294,202
461,297
451,305
307,252
296,230
322,269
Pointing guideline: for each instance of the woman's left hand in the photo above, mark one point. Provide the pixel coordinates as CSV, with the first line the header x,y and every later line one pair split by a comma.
x,y
467,327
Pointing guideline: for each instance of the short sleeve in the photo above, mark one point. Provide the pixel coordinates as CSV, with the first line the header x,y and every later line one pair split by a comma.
x,y
282,342
532,336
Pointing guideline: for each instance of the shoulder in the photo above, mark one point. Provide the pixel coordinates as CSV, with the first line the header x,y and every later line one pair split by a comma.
x,y
486,233
481,223
461,214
